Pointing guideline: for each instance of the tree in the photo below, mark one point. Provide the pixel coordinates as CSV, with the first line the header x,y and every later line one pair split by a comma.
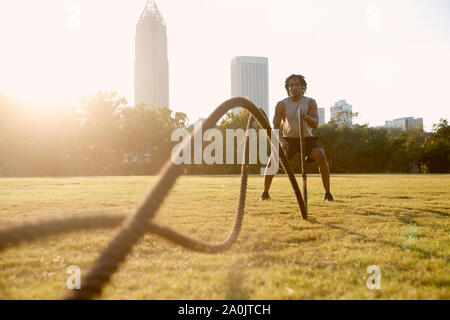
x,y
147,131
436,149
97,148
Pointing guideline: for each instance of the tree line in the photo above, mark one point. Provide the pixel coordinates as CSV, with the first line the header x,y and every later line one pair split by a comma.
x,y
105,136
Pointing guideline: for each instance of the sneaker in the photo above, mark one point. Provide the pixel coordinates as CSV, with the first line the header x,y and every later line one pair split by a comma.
x,y
265,196
328,197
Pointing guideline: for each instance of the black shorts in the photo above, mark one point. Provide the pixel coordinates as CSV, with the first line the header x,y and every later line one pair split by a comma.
x,y
294,146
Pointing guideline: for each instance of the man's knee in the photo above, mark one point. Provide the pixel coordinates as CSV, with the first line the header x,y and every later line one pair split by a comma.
x,y
271,168
318,154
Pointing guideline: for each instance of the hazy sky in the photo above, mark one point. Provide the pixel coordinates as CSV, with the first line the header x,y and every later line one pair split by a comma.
x,y
389,59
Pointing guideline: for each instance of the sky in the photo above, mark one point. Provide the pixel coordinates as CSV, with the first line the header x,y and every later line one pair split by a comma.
x,y
388,59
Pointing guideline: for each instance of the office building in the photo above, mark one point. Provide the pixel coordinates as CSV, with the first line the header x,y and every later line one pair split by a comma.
x,y
151,68
249,79
405,123
341,113
321,112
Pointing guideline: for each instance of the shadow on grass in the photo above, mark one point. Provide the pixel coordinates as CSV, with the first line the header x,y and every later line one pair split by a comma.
x,y
392,244
234,283
398,197
440,283
353,196
371,213
440,213
301,228
409,219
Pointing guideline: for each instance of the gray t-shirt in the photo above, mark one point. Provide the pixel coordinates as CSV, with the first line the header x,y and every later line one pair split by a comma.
x,y
291,125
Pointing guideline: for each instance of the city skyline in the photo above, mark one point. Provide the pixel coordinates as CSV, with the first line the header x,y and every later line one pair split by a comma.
x,y
389,59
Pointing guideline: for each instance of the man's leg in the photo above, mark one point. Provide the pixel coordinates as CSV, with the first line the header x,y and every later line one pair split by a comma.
x,y
319,156
267,182
269,177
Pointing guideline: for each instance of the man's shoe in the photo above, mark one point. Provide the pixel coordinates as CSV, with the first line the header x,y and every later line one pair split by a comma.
x,y
328,197
265,196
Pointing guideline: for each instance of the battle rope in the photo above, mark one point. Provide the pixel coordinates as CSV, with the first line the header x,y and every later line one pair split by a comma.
x,y
136,225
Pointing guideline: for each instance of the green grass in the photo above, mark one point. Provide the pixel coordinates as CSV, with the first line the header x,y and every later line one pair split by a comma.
x,y
397,222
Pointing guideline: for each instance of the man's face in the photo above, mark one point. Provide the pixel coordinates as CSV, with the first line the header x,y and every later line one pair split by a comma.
x,y
294,87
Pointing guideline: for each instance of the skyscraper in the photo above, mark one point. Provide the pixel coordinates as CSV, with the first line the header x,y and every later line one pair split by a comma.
x,y
151,68
341,113
321,113
249,79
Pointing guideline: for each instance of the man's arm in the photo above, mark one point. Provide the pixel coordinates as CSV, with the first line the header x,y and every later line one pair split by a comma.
x,y
279,115
312,116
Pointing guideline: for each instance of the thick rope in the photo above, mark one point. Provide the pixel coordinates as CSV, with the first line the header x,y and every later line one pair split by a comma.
x,y
29,231
139,223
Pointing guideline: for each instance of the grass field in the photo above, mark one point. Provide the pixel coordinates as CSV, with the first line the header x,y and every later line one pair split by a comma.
x,y
397,222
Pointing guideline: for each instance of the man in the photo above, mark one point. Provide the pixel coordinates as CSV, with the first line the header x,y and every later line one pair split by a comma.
x,y
286,111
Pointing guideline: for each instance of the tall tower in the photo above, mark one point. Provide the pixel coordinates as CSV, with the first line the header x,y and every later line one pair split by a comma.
x,y
250,79
151,68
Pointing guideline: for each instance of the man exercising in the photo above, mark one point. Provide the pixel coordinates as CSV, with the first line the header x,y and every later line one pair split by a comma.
x,y
286,111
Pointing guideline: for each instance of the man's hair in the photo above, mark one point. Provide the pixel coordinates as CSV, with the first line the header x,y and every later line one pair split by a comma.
x,y
300,78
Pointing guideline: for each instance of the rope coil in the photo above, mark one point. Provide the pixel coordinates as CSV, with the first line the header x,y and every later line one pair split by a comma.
x,y
136,225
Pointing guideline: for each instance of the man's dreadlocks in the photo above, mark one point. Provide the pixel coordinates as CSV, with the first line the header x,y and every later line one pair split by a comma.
x,y
300,78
